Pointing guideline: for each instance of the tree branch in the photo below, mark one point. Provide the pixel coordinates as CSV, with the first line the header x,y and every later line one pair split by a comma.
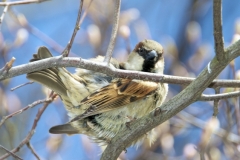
x,y
9,152
216,102
32,150
7,66
22,21
85,13
24,109
59,61
21,85
30,134
3,14
218,37
218,97
21,2
201,124
114,32
76,28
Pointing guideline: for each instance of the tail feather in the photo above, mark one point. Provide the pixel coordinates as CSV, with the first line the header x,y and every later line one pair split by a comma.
x,y
63,129
48,77
43,53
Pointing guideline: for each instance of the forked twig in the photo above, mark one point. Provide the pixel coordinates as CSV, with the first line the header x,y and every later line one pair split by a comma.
x,y
30,134
32,150
9,152
24,109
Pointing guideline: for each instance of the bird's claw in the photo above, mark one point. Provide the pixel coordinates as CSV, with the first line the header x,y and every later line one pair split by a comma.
x,y
131,120
158,111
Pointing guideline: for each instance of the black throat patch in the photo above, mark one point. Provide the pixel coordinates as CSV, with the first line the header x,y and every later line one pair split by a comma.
x,y
148,65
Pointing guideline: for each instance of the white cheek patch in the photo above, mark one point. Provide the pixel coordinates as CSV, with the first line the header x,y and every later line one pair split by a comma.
x,y
135,63
159,66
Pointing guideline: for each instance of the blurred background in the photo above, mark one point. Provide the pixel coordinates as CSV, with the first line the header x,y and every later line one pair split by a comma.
x,y
184,28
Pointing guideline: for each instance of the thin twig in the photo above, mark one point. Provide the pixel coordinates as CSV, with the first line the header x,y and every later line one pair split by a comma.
x,y
77,27
215,103
207,134
114,32
218,37
36,32
32,150
3,14
237,113
14,155
7,66
10,63
85,13
209,128
217,97
21,85
229,119
24,109
201,124
21,2
236,106
30,134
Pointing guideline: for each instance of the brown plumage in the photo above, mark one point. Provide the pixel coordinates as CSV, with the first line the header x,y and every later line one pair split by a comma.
x,y
117,94
98,105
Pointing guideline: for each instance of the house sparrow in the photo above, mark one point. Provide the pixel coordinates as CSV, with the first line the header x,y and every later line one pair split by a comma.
x,y
99,105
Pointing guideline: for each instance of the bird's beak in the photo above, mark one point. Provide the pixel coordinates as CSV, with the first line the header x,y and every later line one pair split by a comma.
x,y
151,55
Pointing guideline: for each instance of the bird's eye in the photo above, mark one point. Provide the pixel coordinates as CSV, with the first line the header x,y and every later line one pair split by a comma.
x,y
141,50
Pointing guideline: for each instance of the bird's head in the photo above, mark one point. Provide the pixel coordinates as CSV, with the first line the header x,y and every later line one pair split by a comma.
x,y
147,56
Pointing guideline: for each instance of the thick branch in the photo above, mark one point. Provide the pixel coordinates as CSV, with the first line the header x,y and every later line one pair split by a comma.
x,y
218,37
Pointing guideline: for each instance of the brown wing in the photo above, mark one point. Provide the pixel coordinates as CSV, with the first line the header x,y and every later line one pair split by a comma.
x,y
116,95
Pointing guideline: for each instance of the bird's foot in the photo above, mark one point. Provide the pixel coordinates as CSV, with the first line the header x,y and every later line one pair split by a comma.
x,y
158,111
132,119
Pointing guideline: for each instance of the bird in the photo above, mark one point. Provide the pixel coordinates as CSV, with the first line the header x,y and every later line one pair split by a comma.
x,y
99,105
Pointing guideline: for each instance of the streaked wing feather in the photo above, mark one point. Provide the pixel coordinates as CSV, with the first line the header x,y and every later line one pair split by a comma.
x,y
116,95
